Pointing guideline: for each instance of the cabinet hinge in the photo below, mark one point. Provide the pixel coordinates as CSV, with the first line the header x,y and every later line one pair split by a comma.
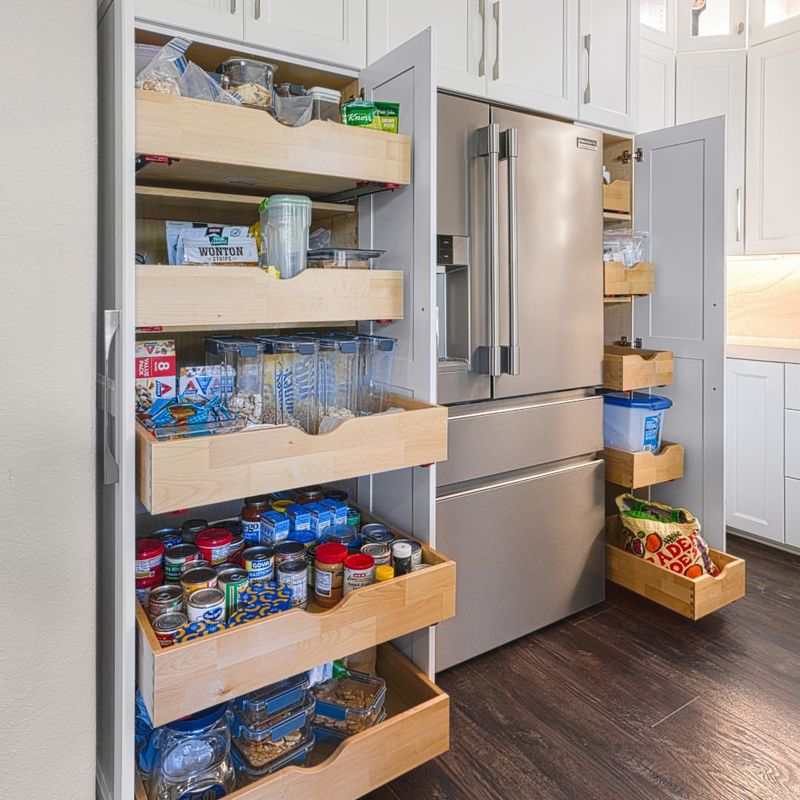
x,y
638,155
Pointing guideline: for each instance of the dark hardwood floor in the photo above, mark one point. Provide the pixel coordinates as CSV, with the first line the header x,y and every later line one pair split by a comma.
x,y
628,701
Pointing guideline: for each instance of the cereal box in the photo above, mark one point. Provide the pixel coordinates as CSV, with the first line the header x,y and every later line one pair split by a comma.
x,y
155,372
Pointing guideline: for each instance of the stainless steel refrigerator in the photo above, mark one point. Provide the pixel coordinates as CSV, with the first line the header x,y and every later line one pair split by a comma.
x,y
520,500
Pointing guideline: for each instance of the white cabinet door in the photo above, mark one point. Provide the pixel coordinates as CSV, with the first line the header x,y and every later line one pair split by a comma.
x,y
215,17
770,19
712,85
773,158
656,87
325,30
460,27
792,515
678,187
791,457
609,40
657,22
712,24
532,54
754,447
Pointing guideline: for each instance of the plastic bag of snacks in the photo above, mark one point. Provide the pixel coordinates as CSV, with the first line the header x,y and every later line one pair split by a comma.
x,y
669,537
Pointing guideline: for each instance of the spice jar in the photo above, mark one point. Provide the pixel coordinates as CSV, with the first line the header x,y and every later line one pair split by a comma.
x,y
329,573
359,571
214,545
254,507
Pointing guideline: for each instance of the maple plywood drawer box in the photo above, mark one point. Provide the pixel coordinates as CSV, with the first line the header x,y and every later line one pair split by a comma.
x,y
618,281
629,368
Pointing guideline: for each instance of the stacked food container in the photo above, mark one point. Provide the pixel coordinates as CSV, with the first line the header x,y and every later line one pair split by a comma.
x,y
347,705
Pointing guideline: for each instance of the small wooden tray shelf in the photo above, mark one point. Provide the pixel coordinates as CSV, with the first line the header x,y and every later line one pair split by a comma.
x,y
618,281
221,147
617,197
691,597
197,471
633,470
176,298
629,368
416,730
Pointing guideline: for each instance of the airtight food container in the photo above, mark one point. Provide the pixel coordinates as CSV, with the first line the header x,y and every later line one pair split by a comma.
x,y
349,704
633,420
343,258
242,358
250,80
326,103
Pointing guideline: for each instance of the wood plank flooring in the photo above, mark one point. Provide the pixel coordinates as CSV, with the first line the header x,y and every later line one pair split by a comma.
x,y
628,701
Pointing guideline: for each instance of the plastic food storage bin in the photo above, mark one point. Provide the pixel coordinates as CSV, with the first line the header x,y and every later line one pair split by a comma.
x,y
336,380
326,103
376,360
245,774
351,704
290,381
634,421
264,703
251,80
285,220
343,258
243,395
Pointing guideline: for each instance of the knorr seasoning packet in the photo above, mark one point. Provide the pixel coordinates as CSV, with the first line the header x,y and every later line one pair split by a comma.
x,y
367,114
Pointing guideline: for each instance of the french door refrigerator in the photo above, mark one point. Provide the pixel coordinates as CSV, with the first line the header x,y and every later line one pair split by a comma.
x,y
520,501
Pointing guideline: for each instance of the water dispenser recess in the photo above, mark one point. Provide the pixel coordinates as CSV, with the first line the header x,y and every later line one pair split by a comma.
x,y
452,296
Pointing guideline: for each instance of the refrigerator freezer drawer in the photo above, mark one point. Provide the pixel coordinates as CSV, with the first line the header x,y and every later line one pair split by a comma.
x,y
530,551
491,438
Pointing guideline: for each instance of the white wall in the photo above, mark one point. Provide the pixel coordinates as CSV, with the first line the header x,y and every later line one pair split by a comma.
x,y
47,321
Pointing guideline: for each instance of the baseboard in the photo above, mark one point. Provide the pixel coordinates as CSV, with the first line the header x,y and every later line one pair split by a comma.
x,y
751,537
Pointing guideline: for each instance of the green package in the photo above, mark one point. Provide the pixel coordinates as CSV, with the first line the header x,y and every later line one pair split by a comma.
x,y
387,116
359,112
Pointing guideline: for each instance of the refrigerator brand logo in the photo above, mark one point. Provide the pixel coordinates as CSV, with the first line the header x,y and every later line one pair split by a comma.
x,y
587,144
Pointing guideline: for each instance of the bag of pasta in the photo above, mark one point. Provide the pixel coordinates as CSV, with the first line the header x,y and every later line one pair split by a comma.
x,y
668,537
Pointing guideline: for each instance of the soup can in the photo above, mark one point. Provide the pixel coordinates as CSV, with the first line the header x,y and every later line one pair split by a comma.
x,y
176,558
168,536
164,600
192,527
145,585
359,571
198,578
289,550
207,605
214,544
294,575
379,552
198,562
376,532
167,625
149,554
259,563
416,551
233,582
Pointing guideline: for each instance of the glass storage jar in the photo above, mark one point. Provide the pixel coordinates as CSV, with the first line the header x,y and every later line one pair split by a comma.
x,y
336,381
243,396
250,80
285,220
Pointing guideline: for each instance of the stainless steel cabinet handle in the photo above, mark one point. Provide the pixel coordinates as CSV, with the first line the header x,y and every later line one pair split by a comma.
x,y
587,46
482,62
496,15
738,214
258,9
110,463
233,6
511,354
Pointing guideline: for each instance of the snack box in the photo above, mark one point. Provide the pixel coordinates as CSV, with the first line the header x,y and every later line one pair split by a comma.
x,y
155,372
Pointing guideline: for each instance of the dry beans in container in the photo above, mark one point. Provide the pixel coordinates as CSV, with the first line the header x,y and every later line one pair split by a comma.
x,y
164,599
149,554
295,575
359,571
167,625
206,604
176,558
198,578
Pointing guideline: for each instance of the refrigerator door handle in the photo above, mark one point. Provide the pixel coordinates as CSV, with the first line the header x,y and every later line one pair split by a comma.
x,y
510,354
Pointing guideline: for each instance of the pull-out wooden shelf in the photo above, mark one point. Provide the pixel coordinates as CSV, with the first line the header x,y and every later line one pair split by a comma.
x,y
619,281
191,676
628,368
197,471
223,148
634,470
225,297
417,729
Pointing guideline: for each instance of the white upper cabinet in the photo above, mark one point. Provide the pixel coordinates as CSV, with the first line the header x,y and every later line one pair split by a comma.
x,y
656,87
711,24
609,41
772,203
657,22
460,31
713,84
531,54
772,18
324,30
213,17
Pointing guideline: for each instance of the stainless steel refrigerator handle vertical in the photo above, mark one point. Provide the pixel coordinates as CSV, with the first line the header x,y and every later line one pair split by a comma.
x,y
587,46
482,61
496,16
258,9
489,359
233,6
738,214
110,464
509,151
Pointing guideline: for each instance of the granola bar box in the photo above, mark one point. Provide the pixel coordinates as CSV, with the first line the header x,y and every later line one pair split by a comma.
x,y
156,372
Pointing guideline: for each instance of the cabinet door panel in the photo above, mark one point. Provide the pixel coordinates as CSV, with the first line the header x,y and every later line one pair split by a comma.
x,y
656,87
792,444
754,447
712,24
792,516
325,30
713,85
770,19
532,54
773,158
657,22
215,17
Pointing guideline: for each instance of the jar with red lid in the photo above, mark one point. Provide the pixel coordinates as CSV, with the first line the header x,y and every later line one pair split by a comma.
x,y
251,513
214,545
329,573
149,557
145,585
359,571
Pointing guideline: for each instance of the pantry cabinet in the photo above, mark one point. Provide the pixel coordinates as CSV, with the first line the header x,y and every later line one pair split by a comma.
x,y
770,19
609,40
657,22
712,24
656,87
709,85
212,17
773,159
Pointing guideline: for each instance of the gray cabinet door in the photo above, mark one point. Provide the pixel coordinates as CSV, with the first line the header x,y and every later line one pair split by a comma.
x,y
679,196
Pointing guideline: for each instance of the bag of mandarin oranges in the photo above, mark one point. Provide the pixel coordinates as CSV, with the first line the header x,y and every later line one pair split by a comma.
x,y
668,537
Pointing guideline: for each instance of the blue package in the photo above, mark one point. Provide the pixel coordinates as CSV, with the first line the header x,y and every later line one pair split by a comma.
x,y
340,510
299,516
321,518
275,527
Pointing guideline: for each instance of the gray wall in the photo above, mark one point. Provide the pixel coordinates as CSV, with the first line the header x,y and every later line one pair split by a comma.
x,y
47,499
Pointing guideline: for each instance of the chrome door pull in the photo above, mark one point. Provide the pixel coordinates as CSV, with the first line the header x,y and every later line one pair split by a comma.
x,y
587,46
233,6
496,15
258,9
510,354
482,61
110,463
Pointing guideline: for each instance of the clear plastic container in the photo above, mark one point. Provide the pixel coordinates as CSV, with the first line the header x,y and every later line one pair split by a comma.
x,y
376,361
285,220
343,258
250,80
244,395
245,774
326,103
290,381
351,704
633,421
260,705
337,380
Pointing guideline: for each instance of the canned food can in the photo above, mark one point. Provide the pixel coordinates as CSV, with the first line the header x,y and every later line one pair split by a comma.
x,y
145,585
259,562
149,555
207,605
168,536
192,527
289,550
164,600
176,558
418,567
416,551
214,544
294,575
337,494
165,626
198,562
233,582
354,518
198,578
236,548
359,571
376,532
379,552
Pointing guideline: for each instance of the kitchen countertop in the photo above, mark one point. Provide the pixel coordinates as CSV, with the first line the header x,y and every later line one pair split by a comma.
x,y
762,349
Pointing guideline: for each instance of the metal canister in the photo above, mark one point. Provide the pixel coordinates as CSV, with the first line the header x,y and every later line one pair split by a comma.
x,y
232,582
379,552
207,605
169,536
198,578
164,600
294,575
167,625
259,563
289,550
376,532
416,551
192,527
176,558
